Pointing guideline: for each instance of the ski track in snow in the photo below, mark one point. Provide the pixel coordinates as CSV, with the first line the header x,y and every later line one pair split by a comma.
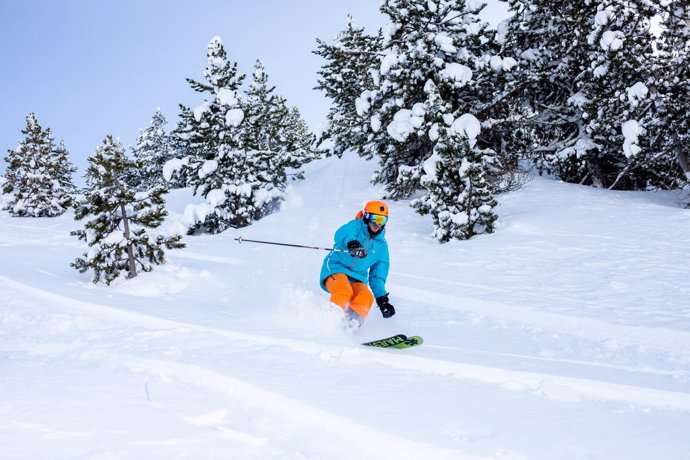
x,y
658,339
371,442
554,387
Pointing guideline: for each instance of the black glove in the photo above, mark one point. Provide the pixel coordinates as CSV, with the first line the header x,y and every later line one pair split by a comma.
x,y
356,249
387,310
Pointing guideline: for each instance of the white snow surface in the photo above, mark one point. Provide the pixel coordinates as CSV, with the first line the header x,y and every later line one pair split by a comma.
x,y
563,335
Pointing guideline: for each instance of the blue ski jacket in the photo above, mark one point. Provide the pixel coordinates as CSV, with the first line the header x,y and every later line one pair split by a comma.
x,y
373,269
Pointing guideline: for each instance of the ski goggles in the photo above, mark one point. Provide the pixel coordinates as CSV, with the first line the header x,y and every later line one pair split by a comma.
x,y
376,218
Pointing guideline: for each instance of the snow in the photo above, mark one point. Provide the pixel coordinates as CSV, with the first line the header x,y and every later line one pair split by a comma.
x,y
375,123
499,64
467,126
172,166
565,334
445,43
227,96
208,167
405,121
578,99
602,17
581,147
612,40
460,74
200,110
234,117
601,70
631,132
637,93
363,103
388,61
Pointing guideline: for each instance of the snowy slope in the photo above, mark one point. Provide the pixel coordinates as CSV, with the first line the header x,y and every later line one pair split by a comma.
x,y
564,335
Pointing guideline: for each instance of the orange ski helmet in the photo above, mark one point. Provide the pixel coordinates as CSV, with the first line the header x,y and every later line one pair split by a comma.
x,y
376,207
373,210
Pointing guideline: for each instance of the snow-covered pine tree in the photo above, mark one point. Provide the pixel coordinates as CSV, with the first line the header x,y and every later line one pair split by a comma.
x,y
265,115
278,136
217,165
673,123
438,42
299,141
591,85
152,151
621,90
346,74
64,171
117,233
38,178
458,197
438,61
549,40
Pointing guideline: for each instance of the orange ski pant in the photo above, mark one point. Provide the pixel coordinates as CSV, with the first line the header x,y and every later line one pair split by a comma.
x,y
354,294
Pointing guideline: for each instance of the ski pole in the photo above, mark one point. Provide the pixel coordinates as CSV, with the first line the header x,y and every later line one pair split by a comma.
x,y
241,240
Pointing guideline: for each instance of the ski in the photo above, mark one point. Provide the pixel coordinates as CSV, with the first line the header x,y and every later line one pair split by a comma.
x,y
398,341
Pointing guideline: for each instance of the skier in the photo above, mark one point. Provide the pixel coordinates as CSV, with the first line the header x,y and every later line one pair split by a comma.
x,y
345,274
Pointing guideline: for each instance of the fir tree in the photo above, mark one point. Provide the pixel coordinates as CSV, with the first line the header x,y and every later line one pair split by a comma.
x,y
265,113
673,124
440,44
458,197
589,82
348,72
217,165
120,217
438,61
621,92
38,175
549,40
299,141
153,150
213,123
265,116
64,170
278,136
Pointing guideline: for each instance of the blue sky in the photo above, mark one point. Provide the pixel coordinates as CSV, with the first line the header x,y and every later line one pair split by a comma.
x,y
91,68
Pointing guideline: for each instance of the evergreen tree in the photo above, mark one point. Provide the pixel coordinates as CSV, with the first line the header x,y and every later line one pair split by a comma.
x,y
216,163
346,74
120,217
153,150
621,91
589,82
38,175
673,124
438,48
299,141
64,170
265,117
549,40
278,136
265,113
438,63
458,197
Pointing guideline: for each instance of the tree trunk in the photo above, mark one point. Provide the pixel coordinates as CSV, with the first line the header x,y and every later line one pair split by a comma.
x,y
130,252
682,157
